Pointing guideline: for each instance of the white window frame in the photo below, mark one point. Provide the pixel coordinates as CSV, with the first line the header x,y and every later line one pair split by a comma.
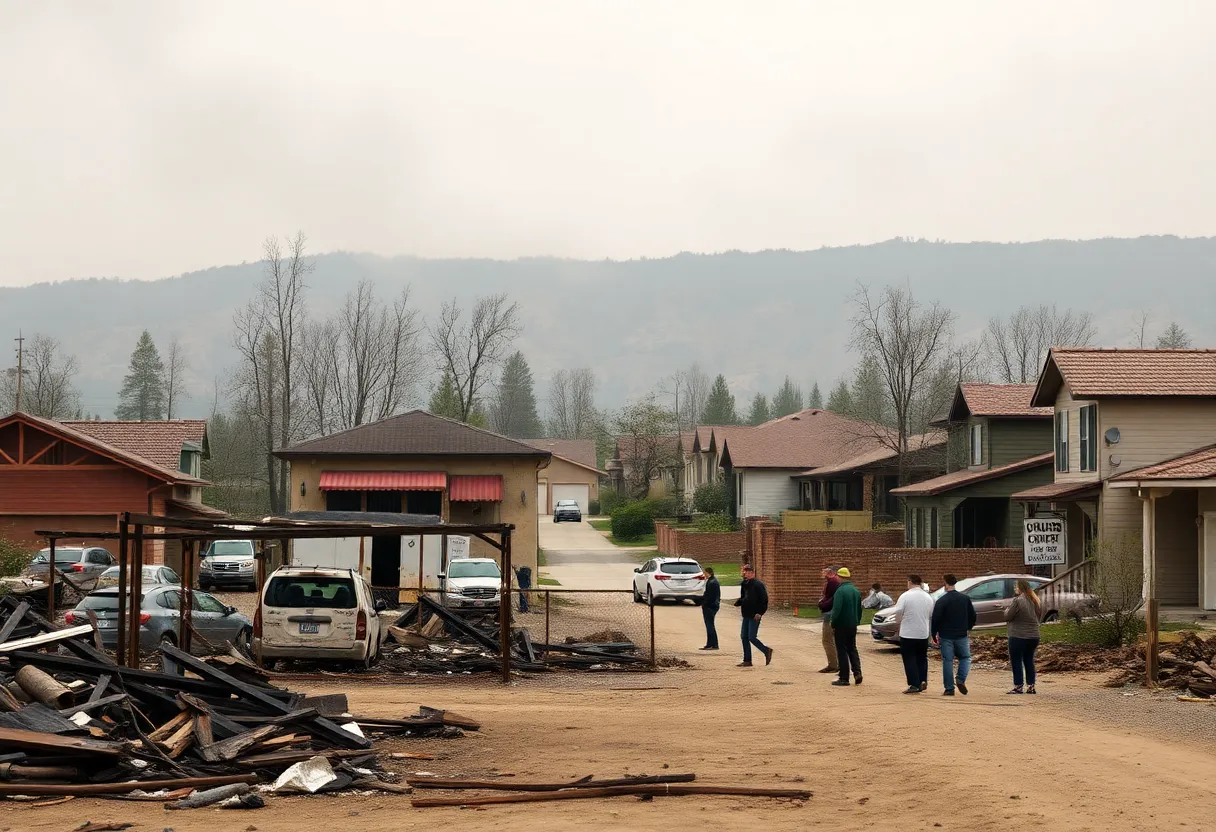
x,y
1088,445
1062,441
977,444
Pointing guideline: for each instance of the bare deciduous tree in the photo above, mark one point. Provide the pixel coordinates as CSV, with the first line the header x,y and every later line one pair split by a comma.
x,y
1118,586
47,387
646,434
572,413
471,351
696,388
175,378
1139,329
1016,348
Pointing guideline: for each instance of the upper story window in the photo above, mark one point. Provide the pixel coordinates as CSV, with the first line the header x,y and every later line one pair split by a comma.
x,y
1062,440
190,462
1088,428
977,444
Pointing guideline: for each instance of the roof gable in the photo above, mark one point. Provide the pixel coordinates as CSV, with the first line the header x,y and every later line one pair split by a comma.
x,y
996,401
581,451
161,442
1091,373
416,433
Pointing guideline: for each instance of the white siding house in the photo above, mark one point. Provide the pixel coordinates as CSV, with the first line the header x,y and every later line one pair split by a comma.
x,y
767,491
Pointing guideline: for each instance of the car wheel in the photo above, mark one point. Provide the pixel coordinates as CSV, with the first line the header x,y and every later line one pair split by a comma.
x,y
650,596
244,640
637,596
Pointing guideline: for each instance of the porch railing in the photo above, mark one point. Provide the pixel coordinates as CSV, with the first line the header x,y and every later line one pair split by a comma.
x,y
1070,592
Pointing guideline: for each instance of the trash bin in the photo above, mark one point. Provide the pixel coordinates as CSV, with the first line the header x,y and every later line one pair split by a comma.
x,y
524,575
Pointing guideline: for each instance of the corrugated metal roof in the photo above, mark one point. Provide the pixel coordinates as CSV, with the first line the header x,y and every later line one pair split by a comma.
x,y
476,488
383,481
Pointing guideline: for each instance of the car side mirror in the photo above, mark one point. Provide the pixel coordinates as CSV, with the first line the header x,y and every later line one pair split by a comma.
x,y
381,605
639,569
229,610
443,576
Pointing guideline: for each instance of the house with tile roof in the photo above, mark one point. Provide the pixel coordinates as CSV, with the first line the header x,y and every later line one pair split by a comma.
x,y
82,475
1134,456
572,474
998,444
419,463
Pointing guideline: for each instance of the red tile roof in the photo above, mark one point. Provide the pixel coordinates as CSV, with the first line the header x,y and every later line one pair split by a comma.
x,y
581,451
959,479
1197,465
1000,400
416,433
383,481
1057,491
160,442
475,488
1100,373
808,439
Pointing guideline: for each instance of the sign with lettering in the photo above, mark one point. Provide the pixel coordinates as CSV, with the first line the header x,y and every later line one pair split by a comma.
x,y
1045,540
458,547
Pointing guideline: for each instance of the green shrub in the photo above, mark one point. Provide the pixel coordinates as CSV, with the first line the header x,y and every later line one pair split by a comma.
x,y
632,521
715,523
593,508
610,499
711,498
663,506
13,558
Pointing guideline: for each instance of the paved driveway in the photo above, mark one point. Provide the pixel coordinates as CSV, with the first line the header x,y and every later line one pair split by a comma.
x,y
579,557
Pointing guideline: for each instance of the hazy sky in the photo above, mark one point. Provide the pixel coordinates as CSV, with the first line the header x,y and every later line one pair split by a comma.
x,y
143,139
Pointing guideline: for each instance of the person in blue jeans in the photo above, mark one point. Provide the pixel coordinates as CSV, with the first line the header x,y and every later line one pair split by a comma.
x,y
753,599
953,618
710,602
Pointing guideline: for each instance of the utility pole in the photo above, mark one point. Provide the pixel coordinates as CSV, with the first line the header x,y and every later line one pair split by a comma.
x,y
20,339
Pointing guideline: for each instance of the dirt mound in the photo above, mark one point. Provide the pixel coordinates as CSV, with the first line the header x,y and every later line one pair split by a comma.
x,y
602,637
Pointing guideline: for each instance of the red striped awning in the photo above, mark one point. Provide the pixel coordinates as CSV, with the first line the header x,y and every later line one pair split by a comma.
x,y
476,489
383,481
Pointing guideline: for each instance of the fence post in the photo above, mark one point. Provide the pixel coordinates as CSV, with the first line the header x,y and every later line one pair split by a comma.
x,y
504,609
548,595
50,584
654,658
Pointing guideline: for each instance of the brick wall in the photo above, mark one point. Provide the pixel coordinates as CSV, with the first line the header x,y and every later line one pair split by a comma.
x,y
875,539
707,547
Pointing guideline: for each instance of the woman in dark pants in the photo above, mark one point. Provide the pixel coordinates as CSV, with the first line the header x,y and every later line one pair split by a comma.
x,y
710,603
1023,626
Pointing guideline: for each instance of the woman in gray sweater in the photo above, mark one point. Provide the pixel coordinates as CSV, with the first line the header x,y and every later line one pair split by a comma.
x,y
1023,628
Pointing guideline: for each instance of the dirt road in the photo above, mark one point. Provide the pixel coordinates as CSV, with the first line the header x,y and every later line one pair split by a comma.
x,y
875,759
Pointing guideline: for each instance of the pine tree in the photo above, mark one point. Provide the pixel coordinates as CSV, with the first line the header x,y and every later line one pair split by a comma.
x,y
841,398
788,400
513,411
143,389
869,394
445,400
1174,338
759,412
720,405
815,402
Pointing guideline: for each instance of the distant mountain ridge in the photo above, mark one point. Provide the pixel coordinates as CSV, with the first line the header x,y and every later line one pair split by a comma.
x,y
753,316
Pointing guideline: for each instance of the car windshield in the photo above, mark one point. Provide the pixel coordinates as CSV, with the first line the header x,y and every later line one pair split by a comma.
x,y
680,568
232,547
567,503
150,573
61,556
473,569
311,591
102,601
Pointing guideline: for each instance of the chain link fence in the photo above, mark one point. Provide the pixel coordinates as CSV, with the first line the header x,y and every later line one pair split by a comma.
x,y
581,619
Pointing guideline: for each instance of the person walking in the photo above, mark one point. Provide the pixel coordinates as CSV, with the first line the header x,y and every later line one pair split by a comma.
x,y
914,610
877,599
845,618
753,598
710,602
953,619
1022,617
830,582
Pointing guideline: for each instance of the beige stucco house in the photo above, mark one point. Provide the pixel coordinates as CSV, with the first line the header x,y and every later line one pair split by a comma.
x,y
571,475
1134,437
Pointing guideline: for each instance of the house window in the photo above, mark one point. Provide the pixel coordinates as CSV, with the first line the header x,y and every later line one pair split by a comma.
x,y
933,539
908,527
977,444
1088,426
1062,440
920,528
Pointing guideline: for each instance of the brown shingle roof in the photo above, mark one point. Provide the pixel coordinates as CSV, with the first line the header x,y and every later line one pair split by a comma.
x,y
958,479
999,400
808,439
1099,373
921,442
416,433
1057,491
1197,465
160,442
581,451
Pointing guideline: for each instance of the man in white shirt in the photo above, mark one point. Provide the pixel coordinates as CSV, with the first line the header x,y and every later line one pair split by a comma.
x,y
914,610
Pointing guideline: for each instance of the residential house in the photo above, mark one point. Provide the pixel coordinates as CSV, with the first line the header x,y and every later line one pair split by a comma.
x,y
1133,439
82,475
661,456
419,463
571,475
703,457
999,444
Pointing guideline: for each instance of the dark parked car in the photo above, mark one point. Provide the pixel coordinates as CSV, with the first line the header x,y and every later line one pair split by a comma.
x,y
159,618
567,510
82,564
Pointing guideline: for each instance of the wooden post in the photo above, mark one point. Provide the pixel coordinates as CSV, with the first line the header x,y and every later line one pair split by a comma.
x,y
124,563
1151,609
504,609
654,659
136,598
548,594
50,584
186,597
257,617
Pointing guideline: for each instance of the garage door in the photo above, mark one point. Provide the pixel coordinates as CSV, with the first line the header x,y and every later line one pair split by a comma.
x,y
542,497
580,493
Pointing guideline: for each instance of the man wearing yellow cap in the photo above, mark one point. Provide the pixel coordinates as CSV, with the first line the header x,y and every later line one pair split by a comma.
x,y
845,619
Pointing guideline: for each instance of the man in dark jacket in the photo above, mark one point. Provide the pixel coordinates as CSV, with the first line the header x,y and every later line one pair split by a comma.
x,y
710,603
953,618
830,582
753,598
845,618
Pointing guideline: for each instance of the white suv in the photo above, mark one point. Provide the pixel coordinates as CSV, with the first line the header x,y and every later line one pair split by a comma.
x,y
472,582
318,613
678,579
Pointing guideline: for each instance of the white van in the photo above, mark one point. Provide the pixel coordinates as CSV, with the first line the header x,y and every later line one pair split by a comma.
x,y
318,613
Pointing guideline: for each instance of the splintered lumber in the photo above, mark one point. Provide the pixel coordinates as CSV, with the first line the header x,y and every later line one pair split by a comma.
x,y
206,798
663,790
94,704
89,826
170,728
14,620
232,747
55,744
1206,669
328,704
511,786
85,789
10,771
180,740
409,615
287,758
456,624
45,639
320,725
8,702
42,687
408,638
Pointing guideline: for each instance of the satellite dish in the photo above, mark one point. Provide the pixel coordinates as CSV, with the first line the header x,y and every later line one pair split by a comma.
x,y
1115,460
1112,436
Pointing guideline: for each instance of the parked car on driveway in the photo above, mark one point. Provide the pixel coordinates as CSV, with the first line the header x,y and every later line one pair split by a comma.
x,y
150,576
472,582
318,613
159,618
990,594
675,579
567,510
228,563
80,563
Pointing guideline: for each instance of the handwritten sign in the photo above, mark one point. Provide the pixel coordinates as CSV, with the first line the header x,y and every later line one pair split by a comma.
x,y
1044,540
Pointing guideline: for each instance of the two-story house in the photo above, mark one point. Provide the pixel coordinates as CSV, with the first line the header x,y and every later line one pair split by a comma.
x,y
999,444
1133,455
